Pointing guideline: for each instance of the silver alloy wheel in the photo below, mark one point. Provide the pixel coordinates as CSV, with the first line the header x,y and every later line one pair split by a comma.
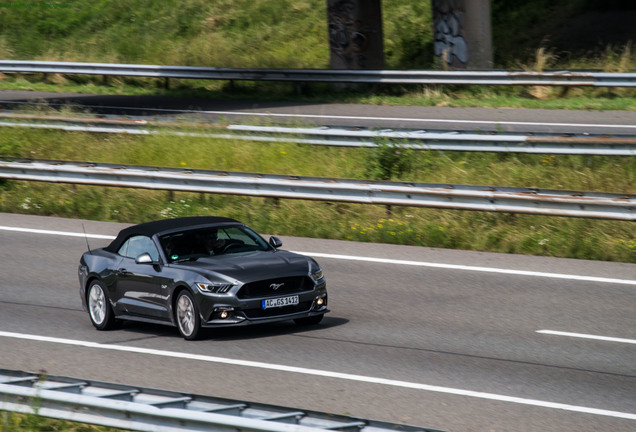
x,y
97,304
185,315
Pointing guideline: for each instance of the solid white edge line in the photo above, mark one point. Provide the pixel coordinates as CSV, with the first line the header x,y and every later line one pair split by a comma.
x,y
326,374
473,268
62,233
587,336
423,120
406,119
379,260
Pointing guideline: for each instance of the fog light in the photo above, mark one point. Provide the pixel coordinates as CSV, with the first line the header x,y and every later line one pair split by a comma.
x,y
224,314
320,301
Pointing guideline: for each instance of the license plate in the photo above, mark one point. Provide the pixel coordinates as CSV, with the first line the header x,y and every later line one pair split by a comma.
x,y
280,302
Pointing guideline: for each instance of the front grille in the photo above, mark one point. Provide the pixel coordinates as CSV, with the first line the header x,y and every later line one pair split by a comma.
x,y
285,285
285,310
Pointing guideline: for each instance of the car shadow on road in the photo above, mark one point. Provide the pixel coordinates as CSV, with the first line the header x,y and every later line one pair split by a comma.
x,y
270,330
140,331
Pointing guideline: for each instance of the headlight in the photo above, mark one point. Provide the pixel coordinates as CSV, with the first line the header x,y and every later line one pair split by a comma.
x,y
214,287
316,274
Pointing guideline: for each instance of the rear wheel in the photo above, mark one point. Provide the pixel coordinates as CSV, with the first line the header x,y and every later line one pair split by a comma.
x,y
102,315
312,320
187,316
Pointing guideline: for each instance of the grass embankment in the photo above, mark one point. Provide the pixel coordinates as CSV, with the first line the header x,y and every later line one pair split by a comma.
x,y
222,33
14,422
294,34
538,235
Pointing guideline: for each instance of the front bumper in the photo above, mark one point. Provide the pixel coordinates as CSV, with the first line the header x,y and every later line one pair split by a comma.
x,y
249,312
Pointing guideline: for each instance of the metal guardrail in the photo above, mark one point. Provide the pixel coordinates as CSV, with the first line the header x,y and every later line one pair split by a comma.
x,y
601,145
143,409
496,77
458,197
445,141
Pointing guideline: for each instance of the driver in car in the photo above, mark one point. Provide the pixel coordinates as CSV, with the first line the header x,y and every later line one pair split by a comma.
x,y
213,244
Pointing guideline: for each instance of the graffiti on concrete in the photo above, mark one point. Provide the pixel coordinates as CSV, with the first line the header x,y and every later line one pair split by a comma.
x,y
450,45
347,39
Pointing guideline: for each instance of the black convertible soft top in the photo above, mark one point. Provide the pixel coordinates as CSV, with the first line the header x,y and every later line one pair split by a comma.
x,y
151,228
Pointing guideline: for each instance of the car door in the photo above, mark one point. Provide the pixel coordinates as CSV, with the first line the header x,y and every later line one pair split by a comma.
x,y
142,287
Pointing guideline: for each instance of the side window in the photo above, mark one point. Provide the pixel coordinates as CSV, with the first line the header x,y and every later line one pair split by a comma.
x,y
135,246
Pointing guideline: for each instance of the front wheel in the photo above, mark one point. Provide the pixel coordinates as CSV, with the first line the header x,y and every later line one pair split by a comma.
x,y
312,320
187,316
102,315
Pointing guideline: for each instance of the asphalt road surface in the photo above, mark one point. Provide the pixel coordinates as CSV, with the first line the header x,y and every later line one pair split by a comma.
x,y
452,340
613,123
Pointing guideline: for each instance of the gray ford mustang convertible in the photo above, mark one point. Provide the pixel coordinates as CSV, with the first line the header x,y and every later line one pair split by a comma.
x,y
199,272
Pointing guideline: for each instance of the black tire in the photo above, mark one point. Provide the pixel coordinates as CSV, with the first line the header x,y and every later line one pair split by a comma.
x,y
309,321
99,309
186,315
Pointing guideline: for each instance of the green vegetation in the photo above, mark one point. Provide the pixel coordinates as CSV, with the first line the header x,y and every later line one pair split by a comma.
x,y
293,34
575,34
227,33
14,422
551,236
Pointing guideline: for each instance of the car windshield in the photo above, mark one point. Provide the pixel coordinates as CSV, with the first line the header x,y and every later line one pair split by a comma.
x,y
191,245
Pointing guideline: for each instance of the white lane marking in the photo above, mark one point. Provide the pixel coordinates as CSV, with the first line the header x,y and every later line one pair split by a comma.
x,y
344,117
587,336
62,233
417,120
474,268
324,373
382,260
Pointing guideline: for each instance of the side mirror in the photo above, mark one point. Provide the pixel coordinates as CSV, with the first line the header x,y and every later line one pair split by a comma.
x,y
275,242
144,258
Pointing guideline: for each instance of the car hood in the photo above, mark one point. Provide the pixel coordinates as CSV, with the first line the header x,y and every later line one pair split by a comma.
x,y
251,266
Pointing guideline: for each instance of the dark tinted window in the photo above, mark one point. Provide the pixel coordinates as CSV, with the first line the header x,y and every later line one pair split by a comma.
x,y
194,244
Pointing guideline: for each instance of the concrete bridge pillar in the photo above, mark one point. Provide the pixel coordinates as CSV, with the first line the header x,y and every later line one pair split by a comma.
x,y
463,35
355,34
